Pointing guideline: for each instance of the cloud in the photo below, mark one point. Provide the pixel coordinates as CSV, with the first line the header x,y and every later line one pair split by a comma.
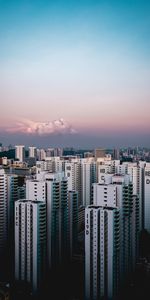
x,y
42,128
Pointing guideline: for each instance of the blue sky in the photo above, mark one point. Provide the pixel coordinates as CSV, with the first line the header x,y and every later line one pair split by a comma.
x,y
85,61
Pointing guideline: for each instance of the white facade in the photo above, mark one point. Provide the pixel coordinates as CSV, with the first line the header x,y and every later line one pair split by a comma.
x,y
81,173
106,167
73,173
52,189
88,177
73,221
103,169
32,151
135,229
30,242
57,220
8,195
5,161
101,252
119,193
51,164
35,190
104,195
142,165
41,154
147,197
136,172
20,152
125,202
3,211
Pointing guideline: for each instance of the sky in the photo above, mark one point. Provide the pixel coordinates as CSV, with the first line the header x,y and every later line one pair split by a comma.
x,y
75,73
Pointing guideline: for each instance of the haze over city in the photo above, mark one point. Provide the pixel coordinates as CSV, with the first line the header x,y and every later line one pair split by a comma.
x,y
75,73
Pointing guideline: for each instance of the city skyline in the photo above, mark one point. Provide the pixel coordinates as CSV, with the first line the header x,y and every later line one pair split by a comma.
x,y
85,62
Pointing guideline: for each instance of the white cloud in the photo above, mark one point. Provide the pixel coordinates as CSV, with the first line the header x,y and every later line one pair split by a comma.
x,y
42,128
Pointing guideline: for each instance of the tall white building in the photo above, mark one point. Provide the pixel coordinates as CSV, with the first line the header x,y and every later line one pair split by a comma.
x,y
51,164
135,230
32,151
104,194
41,154
125,203
119,193
88,177
52,189
136,176
147,197
3,212
36,190
8,195
81,173
99,153
20,152
57,220
73,173
142,165
12,196
105,167
73,221
30,242
102,247
136,172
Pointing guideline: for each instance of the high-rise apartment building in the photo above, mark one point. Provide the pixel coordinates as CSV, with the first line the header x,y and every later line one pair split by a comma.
x,y
147,197
125,203
51,164
57,220
102,252
20,152
32,151
36,190
81,173
12,196
136,173
107,167
30,242
116,154
118,192
73,221
3,213
88,177
134,170
61,206
99,153
73,173
8,195
135,230
41,154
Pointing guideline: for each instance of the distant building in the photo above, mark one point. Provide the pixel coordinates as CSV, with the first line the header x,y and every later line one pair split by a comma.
x,y
88,154
32,151
41,154
20,152
116,154
99,153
